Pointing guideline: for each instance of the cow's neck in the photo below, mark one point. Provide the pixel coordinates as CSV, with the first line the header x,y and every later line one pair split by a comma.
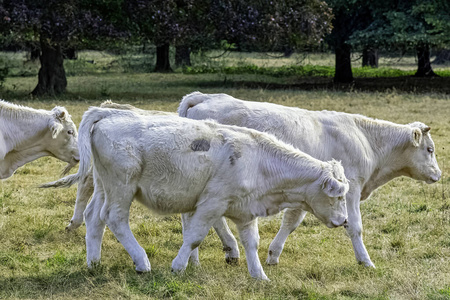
x,y
22,132
15,159
388,144
20,124
287,175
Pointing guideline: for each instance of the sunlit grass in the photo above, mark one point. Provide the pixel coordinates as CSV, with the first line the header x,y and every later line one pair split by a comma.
x,y
406,223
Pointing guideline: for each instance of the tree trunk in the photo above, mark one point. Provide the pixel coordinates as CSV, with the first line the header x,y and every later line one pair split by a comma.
x,y
424,66
343,70
52,77
370,58
162,59
182,56
442,57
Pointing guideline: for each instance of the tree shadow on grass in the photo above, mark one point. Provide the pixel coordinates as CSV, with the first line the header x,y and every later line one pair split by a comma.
x,y
115,282
380,84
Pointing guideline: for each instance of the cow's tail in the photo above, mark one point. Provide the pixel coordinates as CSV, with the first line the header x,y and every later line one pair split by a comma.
x,y
64,182
189,101
90,117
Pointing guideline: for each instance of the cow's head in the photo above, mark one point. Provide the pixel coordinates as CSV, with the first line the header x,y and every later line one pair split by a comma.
x,y
327,202
64,137
420,156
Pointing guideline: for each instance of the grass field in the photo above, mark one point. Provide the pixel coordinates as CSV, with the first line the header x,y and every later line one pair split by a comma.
x,y
407,223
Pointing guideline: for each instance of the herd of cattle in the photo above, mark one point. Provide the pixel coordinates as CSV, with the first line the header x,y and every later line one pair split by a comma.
x,y
219,157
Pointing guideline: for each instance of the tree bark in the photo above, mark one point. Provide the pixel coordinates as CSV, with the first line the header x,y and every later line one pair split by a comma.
x,y
370,58
343,70
52,76
182,56
162,59
442,57
424,65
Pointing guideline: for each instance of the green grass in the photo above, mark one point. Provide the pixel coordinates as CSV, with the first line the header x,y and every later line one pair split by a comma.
x,y
271,64
406,223
305,71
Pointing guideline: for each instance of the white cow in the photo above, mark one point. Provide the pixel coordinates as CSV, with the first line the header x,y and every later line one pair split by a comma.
x,y
372,152
27,134
86,186
205,169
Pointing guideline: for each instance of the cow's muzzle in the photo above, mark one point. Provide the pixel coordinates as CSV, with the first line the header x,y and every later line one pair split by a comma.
x,y
434,178
339,224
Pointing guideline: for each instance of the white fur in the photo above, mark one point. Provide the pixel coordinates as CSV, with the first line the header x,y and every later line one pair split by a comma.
x,y
27,134
86,185
372,151
203,169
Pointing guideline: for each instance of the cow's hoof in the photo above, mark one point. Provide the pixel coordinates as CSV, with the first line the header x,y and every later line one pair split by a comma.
x,y
176,271
367,264
143,267
262,277
72,226
272,261
194,262
233,261
93,264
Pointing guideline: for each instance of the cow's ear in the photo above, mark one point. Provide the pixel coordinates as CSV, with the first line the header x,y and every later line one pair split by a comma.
x,y
334,188
60,113
56,128
416,137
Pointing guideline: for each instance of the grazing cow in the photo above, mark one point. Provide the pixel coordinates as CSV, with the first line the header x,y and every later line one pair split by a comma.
x,y
209,170
372,152
86,186
27,134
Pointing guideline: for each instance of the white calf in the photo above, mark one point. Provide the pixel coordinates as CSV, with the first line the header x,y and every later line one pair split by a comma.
x,y
86,186
372,152
27,134
176,165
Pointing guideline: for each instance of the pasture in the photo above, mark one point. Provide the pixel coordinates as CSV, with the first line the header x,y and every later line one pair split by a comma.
x,y
406,223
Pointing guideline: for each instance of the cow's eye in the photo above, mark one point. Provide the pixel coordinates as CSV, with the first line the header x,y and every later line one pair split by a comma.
x,y
70,132
430,149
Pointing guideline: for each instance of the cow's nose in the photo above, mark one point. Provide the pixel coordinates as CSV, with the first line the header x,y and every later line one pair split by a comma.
x,y
336,224
435,178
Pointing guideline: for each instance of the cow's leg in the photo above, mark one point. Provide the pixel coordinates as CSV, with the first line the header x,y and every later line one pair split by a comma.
x,y
84,192
185,220
116,214
354,229
248,232
195,229
95,227
230,246
291,219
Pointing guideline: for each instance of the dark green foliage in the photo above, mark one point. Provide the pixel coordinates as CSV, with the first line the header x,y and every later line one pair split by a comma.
x,y
406,25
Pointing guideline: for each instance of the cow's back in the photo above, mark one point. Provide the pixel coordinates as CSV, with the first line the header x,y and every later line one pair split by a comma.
x,y
325,135
167,161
